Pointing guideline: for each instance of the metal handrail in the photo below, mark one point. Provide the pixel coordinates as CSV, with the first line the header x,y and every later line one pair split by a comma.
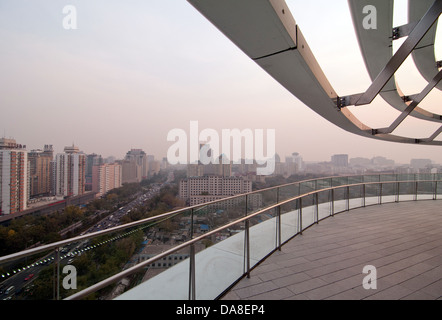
x,y
61,243
193,209
191,242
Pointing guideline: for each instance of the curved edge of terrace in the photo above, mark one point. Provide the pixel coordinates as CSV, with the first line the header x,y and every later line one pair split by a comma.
x,y
249,232
223,265
390,252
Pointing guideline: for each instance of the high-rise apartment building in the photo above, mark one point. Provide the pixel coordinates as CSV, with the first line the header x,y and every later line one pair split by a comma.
x,y
154,166
106,177
91,161
418,164
70,172
40,171
135,166
221,167
14,182
339,160
293,164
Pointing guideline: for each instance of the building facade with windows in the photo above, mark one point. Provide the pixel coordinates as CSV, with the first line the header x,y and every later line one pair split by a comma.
x,y
70,172
196,190
14,177
40,171
106,177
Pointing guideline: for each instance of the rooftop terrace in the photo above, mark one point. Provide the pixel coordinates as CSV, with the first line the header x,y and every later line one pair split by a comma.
x,y
401,240
306,240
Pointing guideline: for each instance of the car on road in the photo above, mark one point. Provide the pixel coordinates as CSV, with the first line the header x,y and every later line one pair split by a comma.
x,y
10,289
29,277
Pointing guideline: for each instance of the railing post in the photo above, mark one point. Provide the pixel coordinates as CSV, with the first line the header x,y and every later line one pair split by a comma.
x,y
57,274
317,207
191,261
278,208
380,193
278,220
415,190
277,195
333,202
246,209
363,195
247,241
300,215
348,197
247,247
192,273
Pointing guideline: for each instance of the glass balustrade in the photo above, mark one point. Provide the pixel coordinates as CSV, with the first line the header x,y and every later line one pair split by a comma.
x,y
209,246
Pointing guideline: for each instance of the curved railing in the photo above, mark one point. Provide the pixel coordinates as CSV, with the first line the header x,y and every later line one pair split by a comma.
x,y
234,233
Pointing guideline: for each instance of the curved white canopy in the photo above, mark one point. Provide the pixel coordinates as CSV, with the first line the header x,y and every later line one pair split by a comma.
x,y
266,31
423,54
377,50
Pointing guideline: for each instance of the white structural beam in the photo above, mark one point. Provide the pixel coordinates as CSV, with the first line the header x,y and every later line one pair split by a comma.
x,y
424,55
266,31
377,51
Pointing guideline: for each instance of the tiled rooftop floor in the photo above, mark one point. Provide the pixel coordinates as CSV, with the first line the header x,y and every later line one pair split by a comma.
x,y
403,241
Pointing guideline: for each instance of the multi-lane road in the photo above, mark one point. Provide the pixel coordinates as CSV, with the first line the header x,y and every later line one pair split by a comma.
x,y
18,281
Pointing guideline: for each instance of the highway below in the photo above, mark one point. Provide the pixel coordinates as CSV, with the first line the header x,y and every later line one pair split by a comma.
x,y
17,282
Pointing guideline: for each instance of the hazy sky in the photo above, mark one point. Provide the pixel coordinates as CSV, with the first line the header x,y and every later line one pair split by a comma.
x,y
133,70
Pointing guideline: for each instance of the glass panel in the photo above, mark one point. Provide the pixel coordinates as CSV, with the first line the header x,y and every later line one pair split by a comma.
x,y
29,278
308,211
165,278
425,190
371,194
324,183
356,194
388,177
406,177
262,235
218,253
289,220
438,189
424,176
324,204
389,191
101,257
355,179
268,197
406,191
340,200
288,191
98,258
372,178
339,181
213,216
307,186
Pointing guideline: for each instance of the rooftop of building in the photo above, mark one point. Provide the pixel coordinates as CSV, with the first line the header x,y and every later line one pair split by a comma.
x,y
400,240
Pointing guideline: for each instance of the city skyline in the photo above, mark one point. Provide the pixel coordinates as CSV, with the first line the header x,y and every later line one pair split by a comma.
x,y
132,72
282,158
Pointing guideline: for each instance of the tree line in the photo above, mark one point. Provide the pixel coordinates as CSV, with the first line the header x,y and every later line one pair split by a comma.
x,y
31,230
